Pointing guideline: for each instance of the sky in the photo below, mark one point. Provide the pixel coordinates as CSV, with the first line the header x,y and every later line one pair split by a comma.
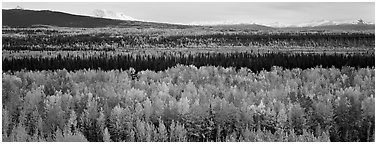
x,y
270,13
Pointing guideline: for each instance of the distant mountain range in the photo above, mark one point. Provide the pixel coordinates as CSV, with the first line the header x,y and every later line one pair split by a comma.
x,y
31,18
316,23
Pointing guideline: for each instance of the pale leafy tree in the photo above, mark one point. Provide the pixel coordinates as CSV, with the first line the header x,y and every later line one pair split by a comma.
x,y
150,130
177,132
141,132
145,131
33,98
59,137
32,105
147,109
54,114
162,132
296,118
40,129
19,134
134,96
116,123
132,136
106,135
69,137
158,106
72,123
139,110
183,105
247,135
5,124
101,121
368,106
190,91
325,112
261,107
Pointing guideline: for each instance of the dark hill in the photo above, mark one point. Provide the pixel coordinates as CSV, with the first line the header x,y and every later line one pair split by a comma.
x,y
29,18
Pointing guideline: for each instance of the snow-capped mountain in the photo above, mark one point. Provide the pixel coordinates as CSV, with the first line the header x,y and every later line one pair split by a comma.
x,y
331,22
111,15
313,23
277,25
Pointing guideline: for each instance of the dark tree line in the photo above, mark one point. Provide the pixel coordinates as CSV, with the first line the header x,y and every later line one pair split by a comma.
x,y
31,31
90,41
255,62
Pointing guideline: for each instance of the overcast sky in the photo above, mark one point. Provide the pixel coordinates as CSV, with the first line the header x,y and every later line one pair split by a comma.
x,y
213,13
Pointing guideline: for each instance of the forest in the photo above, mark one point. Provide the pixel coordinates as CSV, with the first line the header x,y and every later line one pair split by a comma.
x,y
187,85
185,103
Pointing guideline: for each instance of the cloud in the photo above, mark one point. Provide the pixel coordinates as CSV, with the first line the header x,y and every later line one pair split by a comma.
x,y
103,13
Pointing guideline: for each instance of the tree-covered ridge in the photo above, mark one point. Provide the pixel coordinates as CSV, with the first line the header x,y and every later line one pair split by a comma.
x,y
185,103
53,40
